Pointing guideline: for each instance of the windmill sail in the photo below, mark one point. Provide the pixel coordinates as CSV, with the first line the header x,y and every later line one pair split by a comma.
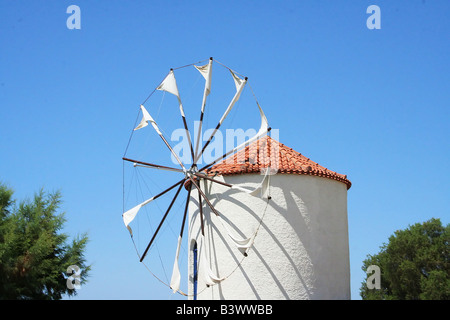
x,y
240,84
206,72
129,215
169,84
176,276
261,189
240,243
145,118
263,129
208,275
192,176
144,122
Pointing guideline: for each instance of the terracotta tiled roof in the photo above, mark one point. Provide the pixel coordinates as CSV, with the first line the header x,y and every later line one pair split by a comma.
x,y
266,150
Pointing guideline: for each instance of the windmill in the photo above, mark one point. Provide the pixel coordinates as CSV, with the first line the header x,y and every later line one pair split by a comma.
x,y
265,222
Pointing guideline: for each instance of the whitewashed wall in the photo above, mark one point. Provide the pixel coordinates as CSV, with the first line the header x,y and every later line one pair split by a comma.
x,y
301,247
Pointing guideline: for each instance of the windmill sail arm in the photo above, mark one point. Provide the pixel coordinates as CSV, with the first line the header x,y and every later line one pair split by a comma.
x,y
206,72
161,223
200,175
148,118
263,186
169,84
240,84
176,276
264,128
204,197
129,215
236,97
151,165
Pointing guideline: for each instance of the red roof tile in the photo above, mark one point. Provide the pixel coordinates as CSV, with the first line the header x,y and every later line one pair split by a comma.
x,y
265,151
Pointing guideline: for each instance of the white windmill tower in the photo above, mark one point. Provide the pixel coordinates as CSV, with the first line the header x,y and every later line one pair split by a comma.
x,y
293,231
264,222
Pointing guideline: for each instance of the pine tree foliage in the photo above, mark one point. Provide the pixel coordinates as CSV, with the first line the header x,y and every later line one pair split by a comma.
x,y
34,253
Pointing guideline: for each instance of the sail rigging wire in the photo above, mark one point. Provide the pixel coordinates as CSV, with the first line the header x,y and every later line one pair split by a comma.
x,y
169,84
162,221
240,74
155,244
139,174
151,165
167,225
153,274
191,64
225,277
160,104
154,90
132,131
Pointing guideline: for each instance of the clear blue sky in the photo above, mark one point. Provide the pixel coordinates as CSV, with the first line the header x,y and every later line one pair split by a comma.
x,y
372,104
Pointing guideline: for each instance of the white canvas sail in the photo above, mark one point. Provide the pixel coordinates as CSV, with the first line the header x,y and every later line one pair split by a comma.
x,y
263,129
240,84
206,72
240,243
145,118
144,122
208,275
169,84
129,215
176,276
260,190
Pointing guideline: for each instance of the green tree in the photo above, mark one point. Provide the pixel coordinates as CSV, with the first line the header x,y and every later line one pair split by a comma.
x,y
414,265
34,254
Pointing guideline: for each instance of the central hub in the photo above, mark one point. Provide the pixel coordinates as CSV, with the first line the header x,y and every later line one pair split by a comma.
x,y
190,173
192,170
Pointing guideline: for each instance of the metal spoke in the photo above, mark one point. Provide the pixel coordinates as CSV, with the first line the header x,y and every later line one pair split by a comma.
x,y
200,208
200,175
204,197
156,166
189,138
162,221
185,210
227,111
